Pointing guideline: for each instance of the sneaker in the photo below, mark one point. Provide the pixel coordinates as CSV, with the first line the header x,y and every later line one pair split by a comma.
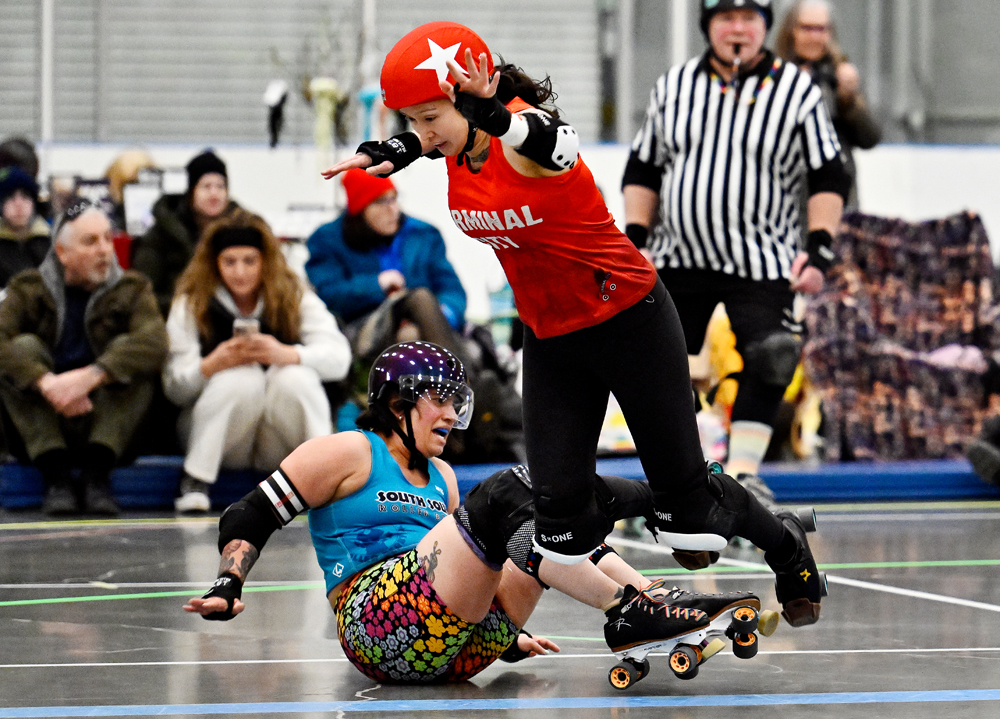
x,y
759,489
60,501
640,618
194,496
97,499
798,584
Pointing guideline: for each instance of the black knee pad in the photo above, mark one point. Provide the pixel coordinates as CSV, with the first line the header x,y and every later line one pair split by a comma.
x,y
495,509
715,507
622,498
772,360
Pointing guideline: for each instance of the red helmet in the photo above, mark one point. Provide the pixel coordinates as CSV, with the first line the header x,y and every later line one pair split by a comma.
x,y
416,64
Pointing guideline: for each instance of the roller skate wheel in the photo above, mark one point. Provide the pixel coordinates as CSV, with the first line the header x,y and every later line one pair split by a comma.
x,y
712,648
744,620
745,646
622,675
767,622
684,661
807,515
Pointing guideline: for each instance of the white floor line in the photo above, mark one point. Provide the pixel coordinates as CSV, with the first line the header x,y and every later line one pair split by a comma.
x,y
911,517
886,588
560,657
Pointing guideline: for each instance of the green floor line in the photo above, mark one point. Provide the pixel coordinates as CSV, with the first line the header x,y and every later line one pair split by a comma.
x,y
664,571
838,566
152,595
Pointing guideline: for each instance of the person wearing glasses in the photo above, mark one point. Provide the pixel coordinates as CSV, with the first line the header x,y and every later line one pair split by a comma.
x,y
808,37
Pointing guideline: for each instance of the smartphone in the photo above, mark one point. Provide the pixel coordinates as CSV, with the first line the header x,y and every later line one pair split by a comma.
x,y
242,326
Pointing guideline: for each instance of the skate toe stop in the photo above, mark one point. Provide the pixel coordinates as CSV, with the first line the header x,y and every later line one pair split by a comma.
x,y
801,612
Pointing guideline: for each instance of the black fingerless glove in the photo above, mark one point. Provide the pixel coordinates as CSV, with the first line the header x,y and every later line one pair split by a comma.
x,y
230,588
818,248
513,653
638,234
487,113
401,150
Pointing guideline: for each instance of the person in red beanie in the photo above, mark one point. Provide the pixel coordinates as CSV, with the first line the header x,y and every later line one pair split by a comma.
x,y
596,317
386,275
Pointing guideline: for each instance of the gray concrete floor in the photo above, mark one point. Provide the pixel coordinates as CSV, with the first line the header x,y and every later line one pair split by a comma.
x,y
91,625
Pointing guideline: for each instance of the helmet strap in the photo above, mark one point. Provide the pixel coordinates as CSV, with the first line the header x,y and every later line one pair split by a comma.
x,y
464,154
417,460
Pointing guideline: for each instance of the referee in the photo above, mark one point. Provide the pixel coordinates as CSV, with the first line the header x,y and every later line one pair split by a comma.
x,y
712,197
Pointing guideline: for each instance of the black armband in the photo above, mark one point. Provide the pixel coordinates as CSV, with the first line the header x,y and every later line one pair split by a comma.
x,y
270,506
401,150
642,173
638,234
513,653
229,587
832,177
487,113
818,248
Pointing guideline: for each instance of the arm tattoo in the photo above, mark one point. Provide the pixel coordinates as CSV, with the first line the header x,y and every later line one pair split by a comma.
x,y
237,558
430,562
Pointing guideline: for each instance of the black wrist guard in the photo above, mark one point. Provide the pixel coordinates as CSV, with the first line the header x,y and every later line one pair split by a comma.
x,y
513,653
487,113
638,234
230,588
818,248
401,150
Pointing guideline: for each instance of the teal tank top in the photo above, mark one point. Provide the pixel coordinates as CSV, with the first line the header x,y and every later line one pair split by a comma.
x,y
386,517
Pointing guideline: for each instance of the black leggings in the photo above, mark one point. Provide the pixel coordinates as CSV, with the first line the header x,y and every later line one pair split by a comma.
x,y
639,356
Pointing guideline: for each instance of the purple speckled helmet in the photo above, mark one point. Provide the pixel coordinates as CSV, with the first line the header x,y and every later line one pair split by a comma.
x,y
422,369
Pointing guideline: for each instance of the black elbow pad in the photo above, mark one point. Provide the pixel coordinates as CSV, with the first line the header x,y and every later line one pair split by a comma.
x,y
551,143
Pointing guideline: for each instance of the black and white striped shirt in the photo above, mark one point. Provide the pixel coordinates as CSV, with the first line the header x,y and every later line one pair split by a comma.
x,y
732,165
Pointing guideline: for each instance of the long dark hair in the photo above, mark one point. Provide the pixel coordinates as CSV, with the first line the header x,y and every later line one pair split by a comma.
x,y
514,82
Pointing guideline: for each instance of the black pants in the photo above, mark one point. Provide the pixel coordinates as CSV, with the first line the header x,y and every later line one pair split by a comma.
x,y
756,310
639,355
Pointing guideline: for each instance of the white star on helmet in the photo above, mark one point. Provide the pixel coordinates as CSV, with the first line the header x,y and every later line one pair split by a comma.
x,y
438,61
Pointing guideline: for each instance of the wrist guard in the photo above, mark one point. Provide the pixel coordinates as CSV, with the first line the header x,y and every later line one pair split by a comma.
x,y
513,653
401,150
638,234
818,248
230,588
487,113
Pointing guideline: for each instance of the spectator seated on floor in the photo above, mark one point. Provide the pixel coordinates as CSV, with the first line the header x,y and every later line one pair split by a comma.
x,y
386,275
24,234
250,348
178,221
81,343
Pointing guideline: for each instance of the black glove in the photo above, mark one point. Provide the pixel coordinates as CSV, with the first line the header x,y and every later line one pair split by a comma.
x,y
513,653
487,113
400,150
230,588
818,248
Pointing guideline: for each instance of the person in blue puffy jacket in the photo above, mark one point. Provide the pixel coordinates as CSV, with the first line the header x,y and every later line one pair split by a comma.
x,y
386,275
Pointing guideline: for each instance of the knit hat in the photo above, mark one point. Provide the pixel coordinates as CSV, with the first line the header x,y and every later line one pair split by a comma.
x,y
13,179
363,189
237,237
203,164
417,63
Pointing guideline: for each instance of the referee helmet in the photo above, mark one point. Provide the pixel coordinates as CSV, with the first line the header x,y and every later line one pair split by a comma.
x,y
710,7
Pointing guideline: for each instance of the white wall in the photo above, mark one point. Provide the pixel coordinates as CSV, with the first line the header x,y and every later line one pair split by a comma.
x,y
912,182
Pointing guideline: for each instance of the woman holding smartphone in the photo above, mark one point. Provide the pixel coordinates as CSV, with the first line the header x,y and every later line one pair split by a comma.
x,y
250,347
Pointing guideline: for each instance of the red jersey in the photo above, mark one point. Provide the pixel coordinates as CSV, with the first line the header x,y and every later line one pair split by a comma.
x,y
567,263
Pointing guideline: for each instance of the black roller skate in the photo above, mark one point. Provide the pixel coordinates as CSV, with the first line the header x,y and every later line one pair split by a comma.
x,y
688,627
798,583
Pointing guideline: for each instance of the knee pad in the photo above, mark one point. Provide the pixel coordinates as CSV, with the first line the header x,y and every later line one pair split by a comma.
x,y
717,507
622,498
495,509
772,360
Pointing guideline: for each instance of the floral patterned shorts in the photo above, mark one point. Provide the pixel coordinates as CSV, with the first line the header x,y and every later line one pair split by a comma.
x,y
394,628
